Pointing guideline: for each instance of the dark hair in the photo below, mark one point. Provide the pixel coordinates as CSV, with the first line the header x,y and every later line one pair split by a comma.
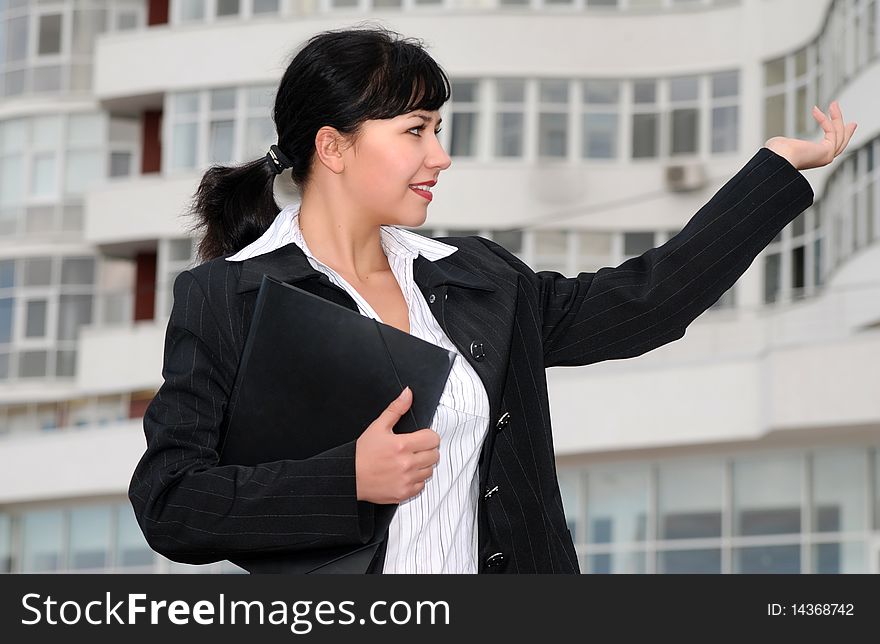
x,y
339,78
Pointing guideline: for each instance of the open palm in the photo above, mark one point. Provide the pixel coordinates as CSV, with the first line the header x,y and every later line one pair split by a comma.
x,y
810,154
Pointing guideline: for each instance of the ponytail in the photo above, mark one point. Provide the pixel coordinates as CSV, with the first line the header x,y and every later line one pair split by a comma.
x,y
234,205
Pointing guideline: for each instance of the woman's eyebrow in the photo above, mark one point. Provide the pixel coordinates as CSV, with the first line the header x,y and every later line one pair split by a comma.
x,y
425,118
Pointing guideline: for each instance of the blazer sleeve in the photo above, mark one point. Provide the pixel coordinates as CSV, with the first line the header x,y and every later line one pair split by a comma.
x,y
649,300
192,510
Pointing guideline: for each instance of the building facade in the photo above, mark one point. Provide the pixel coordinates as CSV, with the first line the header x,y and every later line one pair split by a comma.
x,y
750,445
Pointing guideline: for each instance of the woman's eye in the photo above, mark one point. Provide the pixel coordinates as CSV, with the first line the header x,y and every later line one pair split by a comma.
x,y
422,127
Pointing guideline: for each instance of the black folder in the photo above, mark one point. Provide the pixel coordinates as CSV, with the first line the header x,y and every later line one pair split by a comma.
x,y
313,375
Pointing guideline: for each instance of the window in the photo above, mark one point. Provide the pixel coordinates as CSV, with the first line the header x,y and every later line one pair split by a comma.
x,y
552,119
600,119
465,118
510,117
684,96
645,120
49,36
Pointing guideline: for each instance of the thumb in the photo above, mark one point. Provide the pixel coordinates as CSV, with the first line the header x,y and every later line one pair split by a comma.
x,y
399,406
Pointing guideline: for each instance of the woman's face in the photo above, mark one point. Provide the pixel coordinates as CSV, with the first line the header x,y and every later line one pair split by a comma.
x,y
390,156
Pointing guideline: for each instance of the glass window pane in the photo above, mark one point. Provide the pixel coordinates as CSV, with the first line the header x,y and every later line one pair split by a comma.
x,y
37,271
43,177
553,91
32,364
49,37
5,543
131,547
510,90
511,240
13,135
689,501
259,136
83,170
463,91
17,35
840,558
42,532
227,7
600,136
184,145
617,563
78,270
725,84
685,88
636,243
767,559
180,250
594,244
7,273
685,127
222,140
772,277
645,91
6,310
11,179
617,504
261,98
265,6
551,242
552,135
774,72
602,92
774,116
87,25
65,364
46,132
767,495
35,319
707,562
839,484
185,103
192,10
73,311
644,135
223,99
725,129
509,129
464,134
120,164
90,537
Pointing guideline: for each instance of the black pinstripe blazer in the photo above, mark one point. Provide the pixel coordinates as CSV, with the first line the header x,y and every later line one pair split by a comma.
x,y
508,321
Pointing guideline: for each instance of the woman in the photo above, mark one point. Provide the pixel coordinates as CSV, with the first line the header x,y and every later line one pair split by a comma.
x,y
357,116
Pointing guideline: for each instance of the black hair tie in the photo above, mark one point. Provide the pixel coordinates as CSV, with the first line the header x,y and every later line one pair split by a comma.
x,y
278,159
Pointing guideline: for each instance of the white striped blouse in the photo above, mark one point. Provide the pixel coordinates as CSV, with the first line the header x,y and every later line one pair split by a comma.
x,y
436,530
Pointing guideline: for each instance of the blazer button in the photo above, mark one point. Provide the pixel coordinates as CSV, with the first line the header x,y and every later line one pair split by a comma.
x,y
503,422
432,298
495,560
490,492
477,350
446,296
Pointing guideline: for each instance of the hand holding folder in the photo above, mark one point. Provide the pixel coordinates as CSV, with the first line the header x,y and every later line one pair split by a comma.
x,y
314,375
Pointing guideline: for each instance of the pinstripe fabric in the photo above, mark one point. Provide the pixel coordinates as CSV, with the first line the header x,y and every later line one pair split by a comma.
x,y
509,323
434,531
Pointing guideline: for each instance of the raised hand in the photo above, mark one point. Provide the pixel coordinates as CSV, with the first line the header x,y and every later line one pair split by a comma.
x,y
810,154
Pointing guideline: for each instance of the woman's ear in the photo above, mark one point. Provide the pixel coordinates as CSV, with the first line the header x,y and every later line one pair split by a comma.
x,y
329,148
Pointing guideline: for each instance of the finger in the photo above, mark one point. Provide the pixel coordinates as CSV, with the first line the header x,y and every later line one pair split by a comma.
x,y
850,129
839,128
826,125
